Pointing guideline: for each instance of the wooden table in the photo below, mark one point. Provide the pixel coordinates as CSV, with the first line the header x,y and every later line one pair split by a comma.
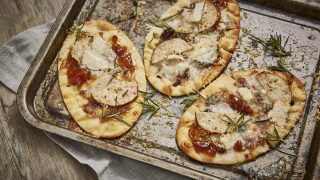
x,y
26,152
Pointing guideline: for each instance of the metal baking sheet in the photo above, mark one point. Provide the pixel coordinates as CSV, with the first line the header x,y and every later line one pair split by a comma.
x,y
153,141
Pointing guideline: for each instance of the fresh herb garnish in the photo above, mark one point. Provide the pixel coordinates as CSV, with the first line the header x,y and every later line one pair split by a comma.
x,y
162,21
147,95
280,67
289,154
154,36
149,106
191,99
78,30
125,93
153,106
115,62
114,116
273,45
134,11
274,136
235,124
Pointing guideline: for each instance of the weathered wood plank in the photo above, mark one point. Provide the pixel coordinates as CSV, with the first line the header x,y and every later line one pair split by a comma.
x,y
26,152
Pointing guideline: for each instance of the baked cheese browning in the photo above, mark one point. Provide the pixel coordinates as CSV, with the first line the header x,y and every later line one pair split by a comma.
x,y
245,114
191,40
100,74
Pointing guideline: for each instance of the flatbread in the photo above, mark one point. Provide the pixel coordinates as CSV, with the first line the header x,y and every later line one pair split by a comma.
x,y
91,102
267,104
210,27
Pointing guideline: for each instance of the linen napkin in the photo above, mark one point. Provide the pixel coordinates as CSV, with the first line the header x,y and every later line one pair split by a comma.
x,y
15,57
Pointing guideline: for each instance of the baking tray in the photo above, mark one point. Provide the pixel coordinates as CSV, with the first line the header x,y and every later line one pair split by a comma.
x,y
153,141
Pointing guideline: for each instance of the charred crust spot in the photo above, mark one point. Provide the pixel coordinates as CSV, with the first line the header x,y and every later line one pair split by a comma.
x,y
292,103
181,77
134,113
168,34
241,82
187,145
158,76
167,90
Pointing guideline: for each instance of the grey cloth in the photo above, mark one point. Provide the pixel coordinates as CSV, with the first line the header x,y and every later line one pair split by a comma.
x,y
15,57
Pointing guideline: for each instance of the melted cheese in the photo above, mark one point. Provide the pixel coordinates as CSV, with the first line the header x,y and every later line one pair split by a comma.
x,y
245,93
276,87
205,48
279,113
193,20
223,108
226,21
79,47
211,121
99,56
230,139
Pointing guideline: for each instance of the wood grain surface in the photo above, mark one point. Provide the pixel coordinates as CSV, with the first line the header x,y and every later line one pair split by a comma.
x,y
26,152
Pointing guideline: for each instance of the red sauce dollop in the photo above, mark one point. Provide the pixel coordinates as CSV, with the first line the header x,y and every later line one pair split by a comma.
x,y
239,105
238,146
77,76
223,3
124,57
201,140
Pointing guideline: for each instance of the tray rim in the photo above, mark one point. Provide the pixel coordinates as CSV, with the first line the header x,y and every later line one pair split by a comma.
x,y
32,118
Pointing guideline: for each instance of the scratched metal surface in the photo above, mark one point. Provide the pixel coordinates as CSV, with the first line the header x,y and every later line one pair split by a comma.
x,y
154,139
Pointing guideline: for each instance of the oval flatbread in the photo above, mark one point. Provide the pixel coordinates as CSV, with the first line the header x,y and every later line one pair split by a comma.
x,y
191,44
100,74
241,116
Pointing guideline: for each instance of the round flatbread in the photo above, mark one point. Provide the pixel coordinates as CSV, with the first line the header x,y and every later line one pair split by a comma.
x,y
100,74
191,44
241,116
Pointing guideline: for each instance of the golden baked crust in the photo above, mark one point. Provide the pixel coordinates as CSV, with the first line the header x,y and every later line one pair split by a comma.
x,y
74,101
228,83
228,27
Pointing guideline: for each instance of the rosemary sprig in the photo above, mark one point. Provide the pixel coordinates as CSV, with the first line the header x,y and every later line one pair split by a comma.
x,y
154,36
273,45
115,62
191,99
78,30
125,93
114,116
153,106
134,11
133,14
162,21
147,95
289,154
235,124
149,106
274,136
280,67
